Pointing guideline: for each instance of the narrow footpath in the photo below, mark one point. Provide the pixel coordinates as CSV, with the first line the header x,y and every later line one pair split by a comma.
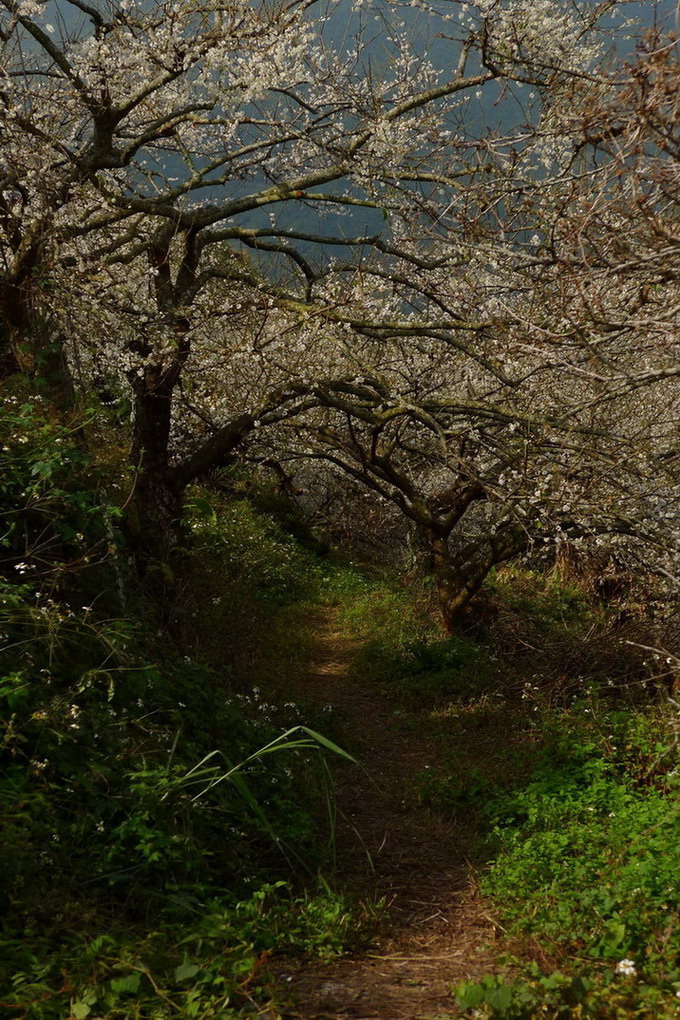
x,y
389,846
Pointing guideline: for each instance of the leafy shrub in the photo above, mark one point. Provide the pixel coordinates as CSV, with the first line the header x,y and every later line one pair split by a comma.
x,y
56,521
103,719
209,968
586,865
607,994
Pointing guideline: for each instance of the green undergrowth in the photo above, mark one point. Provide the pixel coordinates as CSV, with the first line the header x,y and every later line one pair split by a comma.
x,y
544,600
585,866
165,811
557,754
401,647
166,802
209,966
246,576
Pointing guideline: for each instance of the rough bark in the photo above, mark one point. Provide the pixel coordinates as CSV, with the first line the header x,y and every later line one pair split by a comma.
x,y
459,576
153,520
455,585
153,512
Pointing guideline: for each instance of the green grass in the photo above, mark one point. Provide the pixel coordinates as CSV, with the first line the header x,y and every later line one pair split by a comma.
x,y
401,648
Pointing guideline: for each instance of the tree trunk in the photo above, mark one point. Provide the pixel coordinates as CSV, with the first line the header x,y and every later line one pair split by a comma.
x,y
455,588
460,577
153,520
154,510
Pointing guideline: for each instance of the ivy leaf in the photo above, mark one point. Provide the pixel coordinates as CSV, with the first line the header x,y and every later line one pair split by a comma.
x,y
469,995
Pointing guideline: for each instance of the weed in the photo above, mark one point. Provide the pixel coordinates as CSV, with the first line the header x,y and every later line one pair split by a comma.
x,y
585,864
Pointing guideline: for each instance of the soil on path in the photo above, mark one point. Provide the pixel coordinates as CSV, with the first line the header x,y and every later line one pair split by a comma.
x,y
390,847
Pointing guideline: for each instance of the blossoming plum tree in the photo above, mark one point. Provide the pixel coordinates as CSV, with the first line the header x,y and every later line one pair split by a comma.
x,y
240,218
559,420
139,141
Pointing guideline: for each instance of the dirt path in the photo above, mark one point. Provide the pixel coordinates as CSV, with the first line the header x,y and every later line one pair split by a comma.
x,y
390,847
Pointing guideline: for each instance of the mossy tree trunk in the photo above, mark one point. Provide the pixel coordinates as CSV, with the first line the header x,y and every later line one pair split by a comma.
x,y
459,574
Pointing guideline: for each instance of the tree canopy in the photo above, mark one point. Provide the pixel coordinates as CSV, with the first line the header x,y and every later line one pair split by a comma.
x,y
457,284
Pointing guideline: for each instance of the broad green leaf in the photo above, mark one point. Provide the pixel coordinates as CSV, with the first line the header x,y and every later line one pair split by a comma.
x,y
469,996
129,984
204,507
186,971
499,998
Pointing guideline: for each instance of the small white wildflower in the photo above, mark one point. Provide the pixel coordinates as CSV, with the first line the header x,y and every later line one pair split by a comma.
x,y
626,967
